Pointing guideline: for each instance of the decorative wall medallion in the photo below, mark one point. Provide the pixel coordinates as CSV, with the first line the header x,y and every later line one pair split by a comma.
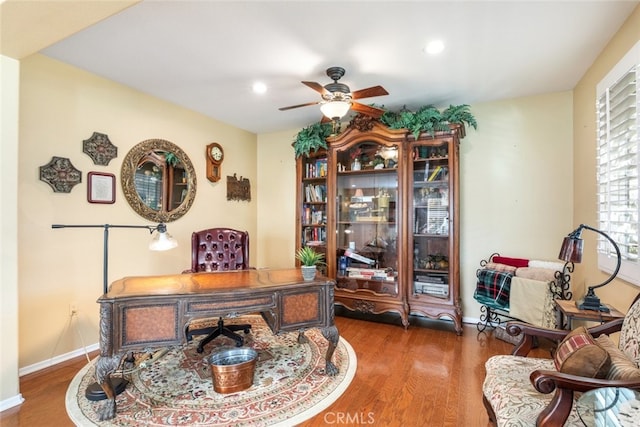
x,y
238,189
60,174
100,149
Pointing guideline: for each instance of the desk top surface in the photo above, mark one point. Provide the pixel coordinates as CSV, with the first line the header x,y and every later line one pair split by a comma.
x,y
204,283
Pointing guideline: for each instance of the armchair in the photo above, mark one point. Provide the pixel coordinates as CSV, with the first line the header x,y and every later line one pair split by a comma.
x,y
219,249
526,391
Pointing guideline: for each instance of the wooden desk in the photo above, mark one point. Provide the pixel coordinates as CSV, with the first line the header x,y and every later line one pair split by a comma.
x,y
141,313
570,311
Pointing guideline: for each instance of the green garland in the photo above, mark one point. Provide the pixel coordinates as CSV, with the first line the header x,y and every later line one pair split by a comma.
x,y
426,119
313,137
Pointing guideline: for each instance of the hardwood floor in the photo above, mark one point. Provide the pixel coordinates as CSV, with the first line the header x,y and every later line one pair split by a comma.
x,y
426,375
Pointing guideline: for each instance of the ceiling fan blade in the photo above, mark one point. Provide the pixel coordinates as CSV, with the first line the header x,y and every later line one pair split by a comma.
x,y
298,106
374,112
369,92
317,87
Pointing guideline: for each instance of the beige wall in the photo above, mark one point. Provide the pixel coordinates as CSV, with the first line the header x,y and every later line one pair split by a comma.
x,y
60,107
277,204
618,293
516,189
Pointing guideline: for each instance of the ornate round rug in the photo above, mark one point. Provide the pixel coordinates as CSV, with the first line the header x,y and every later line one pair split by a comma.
x,y
289,385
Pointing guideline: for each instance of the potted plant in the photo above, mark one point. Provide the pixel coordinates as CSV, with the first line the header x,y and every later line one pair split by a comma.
x,y
309,259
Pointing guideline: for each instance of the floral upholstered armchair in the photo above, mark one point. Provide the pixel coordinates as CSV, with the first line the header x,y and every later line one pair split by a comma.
x,y
526,391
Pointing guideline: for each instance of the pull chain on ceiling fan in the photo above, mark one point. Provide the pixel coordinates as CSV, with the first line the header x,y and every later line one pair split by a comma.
x,y
337,98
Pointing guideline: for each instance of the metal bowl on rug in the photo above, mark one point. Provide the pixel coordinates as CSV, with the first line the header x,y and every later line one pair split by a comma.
x,y
232,369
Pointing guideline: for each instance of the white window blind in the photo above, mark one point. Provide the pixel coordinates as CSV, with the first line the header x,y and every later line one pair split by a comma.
x,y
618,162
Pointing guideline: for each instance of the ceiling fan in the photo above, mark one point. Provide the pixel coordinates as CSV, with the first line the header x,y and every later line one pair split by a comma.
x,y
337,98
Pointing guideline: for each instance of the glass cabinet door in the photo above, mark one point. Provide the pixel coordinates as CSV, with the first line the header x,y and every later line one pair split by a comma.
x,y
366,212
430,220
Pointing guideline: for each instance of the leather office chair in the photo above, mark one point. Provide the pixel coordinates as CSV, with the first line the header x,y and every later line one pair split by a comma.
x,y
219,249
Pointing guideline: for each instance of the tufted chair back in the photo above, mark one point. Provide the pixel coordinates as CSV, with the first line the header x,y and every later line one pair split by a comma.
x,y
219,249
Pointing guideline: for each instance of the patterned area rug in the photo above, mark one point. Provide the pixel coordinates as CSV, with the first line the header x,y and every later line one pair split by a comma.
x,y
289,385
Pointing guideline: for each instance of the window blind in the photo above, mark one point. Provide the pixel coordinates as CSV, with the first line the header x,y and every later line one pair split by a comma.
x,y
618,162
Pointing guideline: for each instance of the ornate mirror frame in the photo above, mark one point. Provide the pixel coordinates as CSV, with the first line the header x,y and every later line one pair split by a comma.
x,y
127,178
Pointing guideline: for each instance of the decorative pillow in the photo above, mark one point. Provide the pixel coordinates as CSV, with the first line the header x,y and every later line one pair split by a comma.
x,y
579,354
622,368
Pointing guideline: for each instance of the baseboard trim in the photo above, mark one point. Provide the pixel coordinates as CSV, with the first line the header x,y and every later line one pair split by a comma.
x,y
11,402
58,359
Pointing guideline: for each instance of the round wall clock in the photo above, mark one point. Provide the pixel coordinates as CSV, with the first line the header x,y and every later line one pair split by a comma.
x,y
215,156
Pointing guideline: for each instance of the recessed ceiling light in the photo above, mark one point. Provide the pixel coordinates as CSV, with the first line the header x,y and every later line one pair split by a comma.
x,y
259,88
434,47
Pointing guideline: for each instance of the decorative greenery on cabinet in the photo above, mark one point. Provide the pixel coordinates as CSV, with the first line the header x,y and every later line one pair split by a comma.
x,y
425,119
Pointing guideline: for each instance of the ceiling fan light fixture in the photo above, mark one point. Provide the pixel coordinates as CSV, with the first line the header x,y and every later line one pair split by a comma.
x,y
335,109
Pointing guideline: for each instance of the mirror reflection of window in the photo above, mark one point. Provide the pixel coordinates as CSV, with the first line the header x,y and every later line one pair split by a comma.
x,y
148,181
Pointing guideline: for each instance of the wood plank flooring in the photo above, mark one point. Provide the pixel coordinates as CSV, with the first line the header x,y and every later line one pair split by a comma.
x,y
424,376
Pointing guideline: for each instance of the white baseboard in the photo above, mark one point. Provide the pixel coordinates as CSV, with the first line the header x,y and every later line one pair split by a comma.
x,y
11,402
18,399
58,359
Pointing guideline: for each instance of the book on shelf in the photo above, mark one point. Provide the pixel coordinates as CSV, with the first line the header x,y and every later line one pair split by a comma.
x,y
315,193
370,274
431,288
435,278
358,257
317,169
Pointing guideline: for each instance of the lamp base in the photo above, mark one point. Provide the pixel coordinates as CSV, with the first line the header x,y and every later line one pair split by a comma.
x,y
592,303
94,391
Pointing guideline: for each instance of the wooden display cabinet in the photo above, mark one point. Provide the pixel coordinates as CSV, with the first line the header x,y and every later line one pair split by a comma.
x,y
391,230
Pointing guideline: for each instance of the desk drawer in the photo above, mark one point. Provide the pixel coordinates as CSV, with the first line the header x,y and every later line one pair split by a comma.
x,y
222,306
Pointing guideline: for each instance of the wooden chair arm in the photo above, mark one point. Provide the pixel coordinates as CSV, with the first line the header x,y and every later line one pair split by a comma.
x,y
548,381
607,328
557,412
530,332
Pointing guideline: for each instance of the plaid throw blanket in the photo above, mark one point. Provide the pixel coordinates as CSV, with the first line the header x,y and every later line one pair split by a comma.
x,y
493,288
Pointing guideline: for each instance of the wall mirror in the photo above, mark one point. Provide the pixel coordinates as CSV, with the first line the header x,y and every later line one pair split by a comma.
x,y
158,180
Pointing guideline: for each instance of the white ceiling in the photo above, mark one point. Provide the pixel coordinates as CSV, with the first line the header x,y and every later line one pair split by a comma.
x,y
205,55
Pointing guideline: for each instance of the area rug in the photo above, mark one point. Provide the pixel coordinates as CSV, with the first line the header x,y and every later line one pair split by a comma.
x,y
289,386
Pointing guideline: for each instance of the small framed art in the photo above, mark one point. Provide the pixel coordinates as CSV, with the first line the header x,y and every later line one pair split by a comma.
x,y
101,187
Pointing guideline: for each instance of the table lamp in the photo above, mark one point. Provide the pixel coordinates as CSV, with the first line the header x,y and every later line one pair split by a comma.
x,y
571,251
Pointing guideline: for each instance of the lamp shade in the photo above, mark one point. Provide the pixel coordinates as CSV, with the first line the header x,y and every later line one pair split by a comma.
x,y
162,241
571,250
335,109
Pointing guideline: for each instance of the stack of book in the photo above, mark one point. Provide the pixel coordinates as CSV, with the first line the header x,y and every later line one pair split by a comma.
x,y
435,284
369,274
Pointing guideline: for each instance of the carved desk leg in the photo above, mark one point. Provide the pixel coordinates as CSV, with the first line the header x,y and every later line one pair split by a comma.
x,y
104,368
332,335
107,363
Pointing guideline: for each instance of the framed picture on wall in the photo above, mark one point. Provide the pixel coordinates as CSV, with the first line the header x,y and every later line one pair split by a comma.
x,y
101,187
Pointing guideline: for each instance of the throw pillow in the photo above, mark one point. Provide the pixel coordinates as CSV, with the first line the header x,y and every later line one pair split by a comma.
x,y
579,354
622,368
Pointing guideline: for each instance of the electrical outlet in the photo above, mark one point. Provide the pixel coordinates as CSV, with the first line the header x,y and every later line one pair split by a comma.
x,y
73,309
